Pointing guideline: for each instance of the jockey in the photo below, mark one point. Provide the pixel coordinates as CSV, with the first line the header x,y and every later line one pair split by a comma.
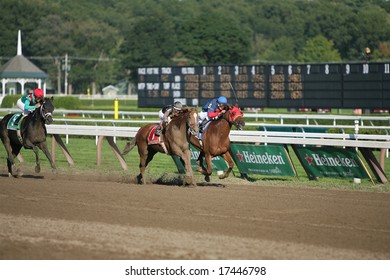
x,y
166,114
212,110
29,101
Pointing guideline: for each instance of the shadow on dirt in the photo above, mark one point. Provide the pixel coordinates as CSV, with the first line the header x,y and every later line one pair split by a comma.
x,y
23,176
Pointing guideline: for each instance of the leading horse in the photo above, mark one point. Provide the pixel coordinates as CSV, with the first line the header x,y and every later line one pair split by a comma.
x,y
176,139
216,140
32,136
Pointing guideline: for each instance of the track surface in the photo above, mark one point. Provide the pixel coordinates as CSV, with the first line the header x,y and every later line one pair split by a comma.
x,y
79,217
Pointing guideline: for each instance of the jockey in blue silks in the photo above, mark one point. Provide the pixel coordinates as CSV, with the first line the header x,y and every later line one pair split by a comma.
x,y
211,111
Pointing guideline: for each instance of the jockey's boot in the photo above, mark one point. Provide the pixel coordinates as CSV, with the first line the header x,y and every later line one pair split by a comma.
x,y
158,131
202,125
16,122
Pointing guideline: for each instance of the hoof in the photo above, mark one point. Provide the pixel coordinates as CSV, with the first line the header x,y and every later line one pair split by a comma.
x,y
207,178
140,180
189,181
37,169
54,170
13,170
19,173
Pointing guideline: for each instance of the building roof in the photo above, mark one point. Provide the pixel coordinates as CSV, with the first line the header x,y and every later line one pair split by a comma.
x,y
20,67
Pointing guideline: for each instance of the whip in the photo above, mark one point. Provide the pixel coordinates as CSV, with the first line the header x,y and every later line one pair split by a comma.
x,y
234,93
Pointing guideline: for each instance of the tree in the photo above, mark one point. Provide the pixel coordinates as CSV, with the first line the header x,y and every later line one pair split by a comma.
x,y
319,49
52,42
150,40
214,38
282,49
383,51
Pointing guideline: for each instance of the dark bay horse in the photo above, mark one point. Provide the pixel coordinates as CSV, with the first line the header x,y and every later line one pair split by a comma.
x,y
32,136
216,140
176,138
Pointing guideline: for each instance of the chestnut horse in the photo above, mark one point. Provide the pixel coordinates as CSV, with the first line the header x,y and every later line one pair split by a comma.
x,y
175,137
216,140
32,136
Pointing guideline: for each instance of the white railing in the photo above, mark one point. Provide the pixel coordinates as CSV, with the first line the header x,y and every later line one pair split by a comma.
x,y
266,137
309,119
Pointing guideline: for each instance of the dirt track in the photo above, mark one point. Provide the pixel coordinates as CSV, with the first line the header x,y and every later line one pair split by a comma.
x,y
56,217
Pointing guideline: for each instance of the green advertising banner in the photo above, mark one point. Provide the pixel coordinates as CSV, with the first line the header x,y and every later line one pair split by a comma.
x,y
264,160
331,162
218,163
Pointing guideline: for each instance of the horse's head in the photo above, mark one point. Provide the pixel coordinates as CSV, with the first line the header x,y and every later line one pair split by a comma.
x,y
236,117
46,110
189,117
192,121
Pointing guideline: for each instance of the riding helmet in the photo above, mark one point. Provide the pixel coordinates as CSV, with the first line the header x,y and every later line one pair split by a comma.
x,y
222,100
177,105
38,93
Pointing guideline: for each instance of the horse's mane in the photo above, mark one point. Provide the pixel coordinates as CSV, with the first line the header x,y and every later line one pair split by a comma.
x,y
183,113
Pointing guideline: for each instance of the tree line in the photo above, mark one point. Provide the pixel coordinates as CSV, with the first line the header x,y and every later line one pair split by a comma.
x,y
107,40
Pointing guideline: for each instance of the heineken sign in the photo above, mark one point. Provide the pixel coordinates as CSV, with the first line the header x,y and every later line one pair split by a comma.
x,y
331,162
264,160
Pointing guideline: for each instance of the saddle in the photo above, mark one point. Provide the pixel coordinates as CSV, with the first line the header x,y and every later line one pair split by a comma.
x,y
153,139
204,128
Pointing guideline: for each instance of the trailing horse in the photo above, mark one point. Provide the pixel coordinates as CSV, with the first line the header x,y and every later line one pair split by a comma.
x,y
216,140
175,141
31,135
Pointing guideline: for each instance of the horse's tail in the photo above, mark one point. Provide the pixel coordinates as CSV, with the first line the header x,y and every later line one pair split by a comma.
x,y
129,146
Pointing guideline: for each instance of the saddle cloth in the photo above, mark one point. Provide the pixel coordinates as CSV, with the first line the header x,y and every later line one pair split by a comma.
x,y
152,138
11,123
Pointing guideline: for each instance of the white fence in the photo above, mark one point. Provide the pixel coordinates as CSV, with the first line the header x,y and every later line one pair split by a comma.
x,y
265,137
309,119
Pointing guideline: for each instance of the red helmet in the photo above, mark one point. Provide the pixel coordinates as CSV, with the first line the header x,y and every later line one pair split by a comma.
x,y
38,93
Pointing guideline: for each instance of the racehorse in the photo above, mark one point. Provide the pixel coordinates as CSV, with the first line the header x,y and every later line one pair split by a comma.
x,y
175,141
216,140
32,135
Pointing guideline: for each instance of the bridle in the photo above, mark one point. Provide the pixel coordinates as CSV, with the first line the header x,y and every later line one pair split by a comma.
x,y
234,114
193,129
44,115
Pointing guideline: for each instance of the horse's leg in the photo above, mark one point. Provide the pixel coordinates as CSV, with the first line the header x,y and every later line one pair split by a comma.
x,y
15,151
209,167
189,173
10,156
45,150
145,158
228,158
37,163
28,144
199,162
205,171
